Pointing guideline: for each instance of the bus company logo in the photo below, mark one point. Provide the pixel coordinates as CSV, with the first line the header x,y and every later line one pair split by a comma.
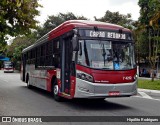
x,y
6,119
127,78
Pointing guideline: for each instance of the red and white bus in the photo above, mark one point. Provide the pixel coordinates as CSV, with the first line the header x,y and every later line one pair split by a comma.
x,y
82,59
8,67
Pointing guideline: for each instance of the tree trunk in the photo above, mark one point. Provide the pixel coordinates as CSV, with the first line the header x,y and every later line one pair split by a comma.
x,y
152,74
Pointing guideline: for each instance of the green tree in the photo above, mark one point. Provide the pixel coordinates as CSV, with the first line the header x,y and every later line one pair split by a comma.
x,y
2,48
19,43
148,12
116,18
53,21
17,17
142,46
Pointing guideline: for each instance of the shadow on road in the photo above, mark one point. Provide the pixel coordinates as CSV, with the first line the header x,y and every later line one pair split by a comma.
x,y
96,104
81,104
38,91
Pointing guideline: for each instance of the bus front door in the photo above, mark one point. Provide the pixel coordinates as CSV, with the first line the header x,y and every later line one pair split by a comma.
x,y
65,66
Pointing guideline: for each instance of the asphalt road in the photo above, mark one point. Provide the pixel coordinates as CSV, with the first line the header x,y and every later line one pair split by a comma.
x,y
17,100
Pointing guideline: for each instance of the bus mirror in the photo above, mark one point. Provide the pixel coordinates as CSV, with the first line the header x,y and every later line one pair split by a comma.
x,y
75,44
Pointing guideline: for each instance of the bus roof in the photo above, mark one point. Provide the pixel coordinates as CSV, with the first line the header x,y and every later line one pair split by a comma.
x,y
89,23
71,24
84,24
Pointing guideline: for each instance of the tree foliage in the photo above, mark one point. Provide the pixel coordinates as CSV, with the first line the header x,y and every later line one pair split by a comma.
x,y
141,45
116,18
2,47
149,21
55,20
19,43
17,17
149,8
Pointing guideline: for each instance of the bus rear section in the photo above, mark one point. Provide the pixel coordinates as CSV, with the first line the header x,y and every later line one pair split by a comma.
x,y
82,59
8,67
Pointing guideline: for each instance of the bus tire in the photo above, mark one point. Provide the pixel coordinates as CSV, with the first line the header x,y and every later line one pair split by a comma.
x,y
55,91
28,83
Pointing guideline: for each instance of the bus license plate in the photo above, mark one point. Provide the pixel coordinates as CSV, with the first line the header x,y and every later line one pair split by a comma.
x,y
114,93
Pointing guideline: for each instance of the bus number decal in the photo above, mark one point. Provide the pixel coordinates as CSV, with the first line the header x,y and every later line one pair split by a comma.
x,y
127,78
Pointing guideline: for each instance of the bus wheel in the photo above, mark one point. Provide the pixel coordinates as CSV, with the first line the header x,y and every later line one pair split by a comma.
x,y
28,83
55,91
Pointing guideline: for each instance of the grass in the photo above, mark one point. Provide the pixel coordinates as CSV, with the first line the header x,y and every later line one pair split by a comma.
x,y
148,84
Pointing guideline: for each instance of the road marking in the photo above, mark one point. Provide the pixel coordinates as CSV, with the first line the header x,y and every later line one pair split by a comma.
x,y
144,95
150,91
147,98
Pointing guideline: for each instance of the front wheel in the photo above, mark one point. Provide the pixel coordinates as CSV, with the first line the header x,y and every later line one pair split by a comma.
x,y
55,92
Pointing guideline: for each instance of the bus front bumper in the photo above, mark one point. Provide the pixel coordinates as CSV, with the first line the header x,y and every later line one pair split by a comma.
x,y
8,70
85,89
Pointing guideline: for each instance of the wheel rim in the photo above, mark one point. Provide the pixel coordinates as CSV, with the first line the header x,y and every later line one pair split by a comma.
x,y
56,90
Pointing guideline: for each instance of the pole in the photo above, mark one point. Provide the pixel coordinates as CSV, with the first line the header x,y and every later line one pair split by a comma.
x,y
157,67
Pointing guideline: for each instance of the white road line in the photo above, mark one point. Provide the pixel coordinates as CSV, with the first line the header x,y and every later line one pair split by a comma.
x,y
148,90
144,95
147,98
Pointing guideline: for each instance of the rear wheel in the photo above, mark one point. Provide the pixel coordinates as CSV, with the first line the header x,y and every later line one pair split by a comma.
x,y
28,82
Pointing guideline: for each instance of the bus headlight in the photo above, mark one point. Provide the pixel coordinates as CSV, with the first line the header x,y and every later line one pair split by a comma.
x,y
135,77
84,76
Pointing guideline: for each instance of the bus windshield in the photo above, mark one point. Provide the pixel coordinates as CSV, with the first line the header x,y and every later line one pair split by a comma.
x,y
8,65
107,55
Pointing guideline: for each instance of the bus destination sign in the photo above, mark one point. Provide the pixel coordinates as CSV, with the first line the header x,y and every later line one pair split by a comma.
x,y
116,35
112,35
106,34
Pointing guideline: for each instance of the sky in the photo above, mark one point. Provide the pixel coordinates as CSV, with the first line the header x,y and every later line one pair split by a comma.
x,y
87,8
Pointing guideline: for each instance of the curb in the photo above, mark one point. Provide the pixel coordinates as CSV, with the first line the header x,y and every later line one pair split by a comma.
x,y
148,78
150,91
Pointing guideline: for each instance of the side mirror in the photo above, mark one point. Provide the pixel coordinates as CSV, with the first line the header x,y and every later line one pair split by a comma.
x,y
75,43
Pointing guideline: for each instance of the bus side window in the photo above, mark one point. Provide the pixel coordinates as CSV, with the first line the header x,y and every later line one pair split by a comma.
x,y
38,54
42,57
49,57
